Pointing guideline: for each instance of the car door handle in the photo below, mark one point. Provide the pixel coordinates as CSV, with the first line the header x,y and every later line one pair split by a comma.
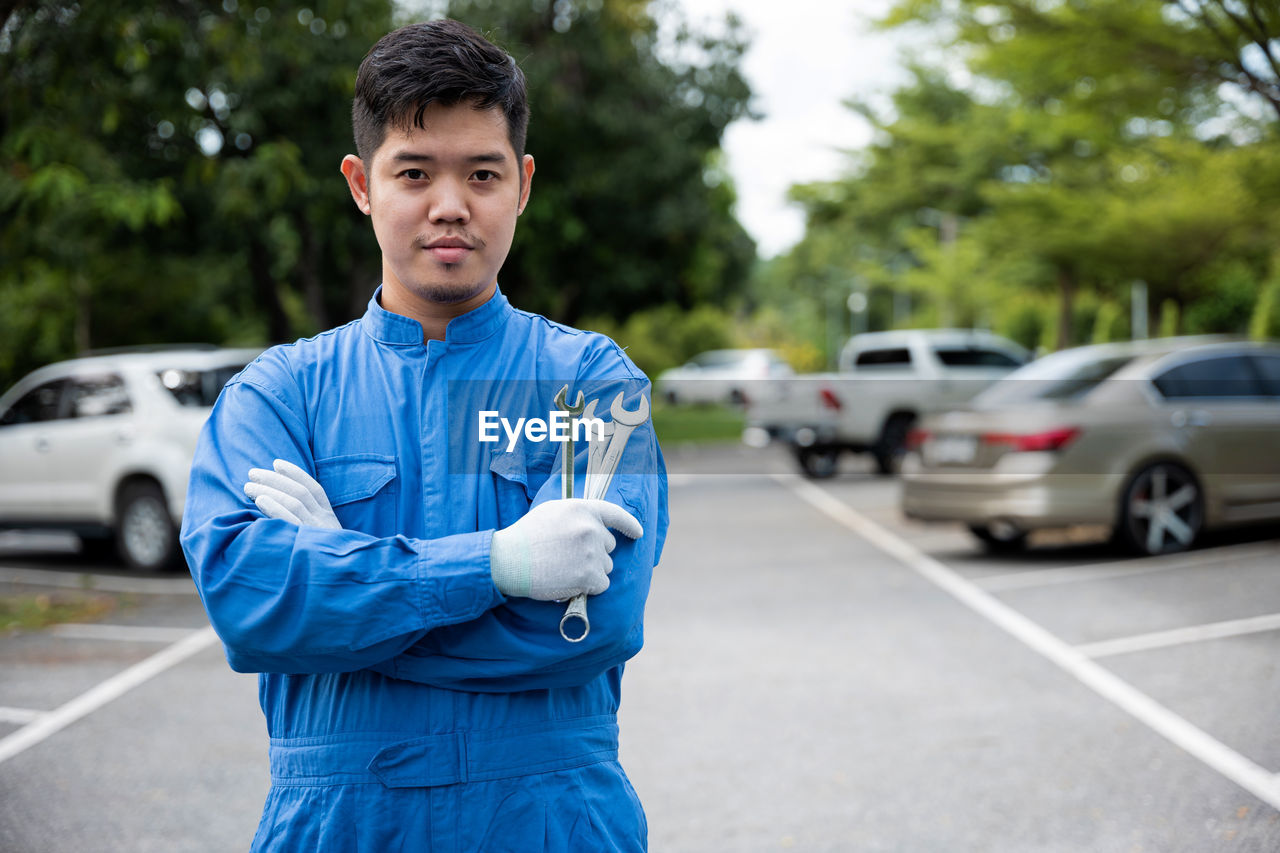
x,y
1198,418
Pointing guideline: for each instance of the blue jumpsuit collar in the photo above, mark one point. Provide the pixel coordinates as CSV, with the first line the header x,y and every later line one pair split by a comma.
x,y
476,325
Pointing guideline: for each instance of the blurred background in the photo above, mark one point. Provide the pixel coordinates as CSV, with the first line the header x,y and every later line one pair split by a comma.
x,y
775,207
710,174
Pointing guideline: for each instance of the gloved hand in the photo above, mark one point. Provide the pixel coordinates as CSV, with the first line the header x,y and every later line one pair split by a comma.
x,y
289,493
561,548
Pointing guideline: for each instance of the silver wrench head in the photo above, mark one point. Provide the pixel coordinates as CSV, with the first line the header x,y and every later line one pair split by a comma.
x,y
561,401
626,418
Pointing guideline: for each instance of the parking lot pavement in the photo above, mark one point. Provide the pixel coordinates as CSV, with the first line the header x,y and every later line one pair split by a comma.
x,y
818,675
128,732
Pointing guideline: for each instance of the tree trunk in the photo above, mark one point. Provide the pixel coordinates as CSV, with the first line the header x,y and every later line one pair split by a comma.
x,y
309,272
265,294
1066,304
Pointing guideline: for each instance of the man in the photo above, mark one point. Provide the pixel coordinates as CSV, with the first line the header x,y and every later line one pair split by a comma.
x,y
399,594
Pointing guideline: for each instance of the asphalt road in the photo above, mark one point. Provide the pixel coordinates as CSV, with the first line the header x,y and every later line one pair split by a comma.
x,y
818,675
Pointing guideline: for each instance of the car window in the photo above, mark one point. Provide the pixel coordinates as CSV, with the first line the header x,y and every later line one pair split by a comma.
x,y
1269,368
1066,375
718,358
1222,376
38,404
892,357
975,357
197,388
95,396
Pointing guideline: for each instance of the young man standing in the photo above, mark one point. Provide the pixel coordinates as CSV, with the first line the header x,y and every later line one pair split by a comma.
x,y
399,594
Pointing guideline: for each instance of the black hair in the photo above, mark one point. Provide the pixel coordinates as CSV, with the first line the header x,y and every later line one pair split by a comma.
x,y
442,62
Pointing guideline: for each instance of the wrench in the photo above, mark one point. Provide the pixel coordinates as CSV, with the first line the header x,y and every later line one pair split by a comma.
x,y
623,423
577,608
602,462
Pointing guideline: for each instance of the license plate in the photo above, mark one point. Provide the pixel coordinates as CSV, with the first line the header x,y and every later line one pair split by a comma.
x,y
951,450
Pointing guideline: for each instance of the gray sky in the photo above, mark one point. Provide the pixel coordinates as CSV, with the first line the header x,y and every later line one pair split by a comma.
x,y
806,57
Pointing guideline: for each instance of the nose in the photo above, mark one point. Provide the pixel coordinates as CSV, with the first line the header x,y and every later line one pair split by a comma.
x,y
449,202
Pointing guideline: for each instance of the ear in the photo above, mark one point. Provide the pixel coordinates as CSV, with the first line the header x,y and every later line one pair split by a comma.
x,y
526,169
357,181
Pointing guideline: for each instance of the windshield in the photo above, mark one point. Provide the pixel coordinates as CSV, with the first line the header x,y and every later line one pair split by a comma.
x,y
197,388
1067,375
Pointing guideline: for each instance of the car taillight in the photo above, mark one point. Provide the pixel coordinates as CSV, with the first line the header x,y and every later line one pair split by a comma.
x,y
916,438
1054,439
830,400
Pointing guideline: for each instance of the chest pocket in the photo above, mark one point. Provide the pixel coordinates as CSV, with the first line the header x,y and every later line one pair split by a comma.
x,y
362,489
516,479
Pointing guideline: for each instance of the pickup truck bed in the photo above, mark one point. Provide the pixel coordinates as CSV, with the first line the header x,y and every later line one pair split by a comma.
x,y
886,382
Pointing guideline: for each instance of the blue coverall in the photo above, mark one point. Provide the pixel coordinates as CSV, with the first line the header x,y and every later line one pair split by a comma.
x,y
410,706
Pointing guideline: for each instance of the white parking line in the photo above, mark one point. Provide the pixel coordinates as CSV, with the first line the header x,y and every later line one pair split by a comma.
x,y
100,583
121,633
20,716
1124,568
1248,775
1179,636
113,688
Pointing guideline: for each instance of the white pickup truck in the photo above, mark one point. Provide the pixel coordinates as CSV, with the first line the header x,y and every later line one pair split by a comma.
x,y
885,382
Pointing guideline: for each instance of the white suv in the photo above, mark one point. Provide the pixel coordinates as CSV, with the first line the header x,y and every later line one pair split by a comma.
x,y
102,446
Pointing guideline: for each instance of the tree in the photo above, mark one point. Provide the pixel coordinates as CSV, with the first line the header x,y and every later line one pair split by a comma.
x,y
1089,146
630,206
169,169
160,172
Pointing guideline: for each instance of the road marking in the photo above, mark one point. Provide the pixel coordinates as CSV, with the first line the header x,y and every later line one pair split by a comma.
x,y
1263,784
1121,569
20,716
99,583
1179,636
122,633
111,689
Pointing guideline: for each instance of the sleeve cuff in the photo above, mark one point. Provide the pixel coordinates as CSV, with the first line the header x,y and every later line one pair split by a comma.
x,y
454,580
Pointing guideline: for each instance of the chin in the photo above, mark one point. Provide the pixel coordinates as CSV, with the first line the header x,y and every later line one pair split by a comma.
x,y
449,294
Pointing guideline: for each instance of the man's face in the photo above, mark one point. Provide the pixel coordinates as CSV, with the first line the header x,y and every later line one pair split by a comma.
x,y
444,200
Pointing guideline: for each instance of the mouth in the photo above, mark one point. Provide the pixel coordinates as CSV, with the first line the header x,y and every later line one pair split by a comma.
x,y
449,250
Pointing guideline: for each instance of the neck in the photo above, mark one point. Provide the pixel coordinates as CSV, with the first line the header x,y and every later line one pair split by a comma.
x,y
433,316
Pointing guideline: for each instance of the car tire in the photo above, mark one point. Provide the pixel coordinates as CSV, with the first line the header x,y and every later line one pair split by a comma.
x,y
999,541
146,537
892,443
818,463
1161,510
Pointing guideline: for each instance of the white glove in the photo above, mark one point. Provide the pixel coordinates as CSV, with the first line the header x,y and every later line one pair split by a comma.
x,y
561,548
289,493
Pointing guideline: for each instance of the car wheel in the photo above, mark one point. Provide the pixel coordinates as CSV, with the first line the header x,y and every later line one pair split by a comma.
x,y
818,463
146,536
1162,510
892,444
1000,538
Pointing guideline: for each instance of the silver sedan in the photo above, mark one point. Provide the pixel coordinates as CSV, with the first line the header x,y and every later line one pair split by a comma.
x,y
1157,440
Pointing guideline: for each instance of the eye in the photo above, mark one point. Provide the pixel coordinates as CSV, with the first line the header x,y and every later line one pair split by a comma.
x,y
485,175
413,174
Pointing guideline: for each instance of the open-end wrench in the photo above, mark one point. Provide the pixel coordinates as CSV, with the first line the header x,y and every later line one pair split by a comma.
x,y
598,478
624,422
577,609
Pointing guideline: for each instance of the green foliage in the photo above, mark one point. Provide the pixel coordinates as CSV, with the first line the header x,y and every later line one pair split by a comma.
x,y
668,335
1265,323
631,207
169,170
1229,291
1091,145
